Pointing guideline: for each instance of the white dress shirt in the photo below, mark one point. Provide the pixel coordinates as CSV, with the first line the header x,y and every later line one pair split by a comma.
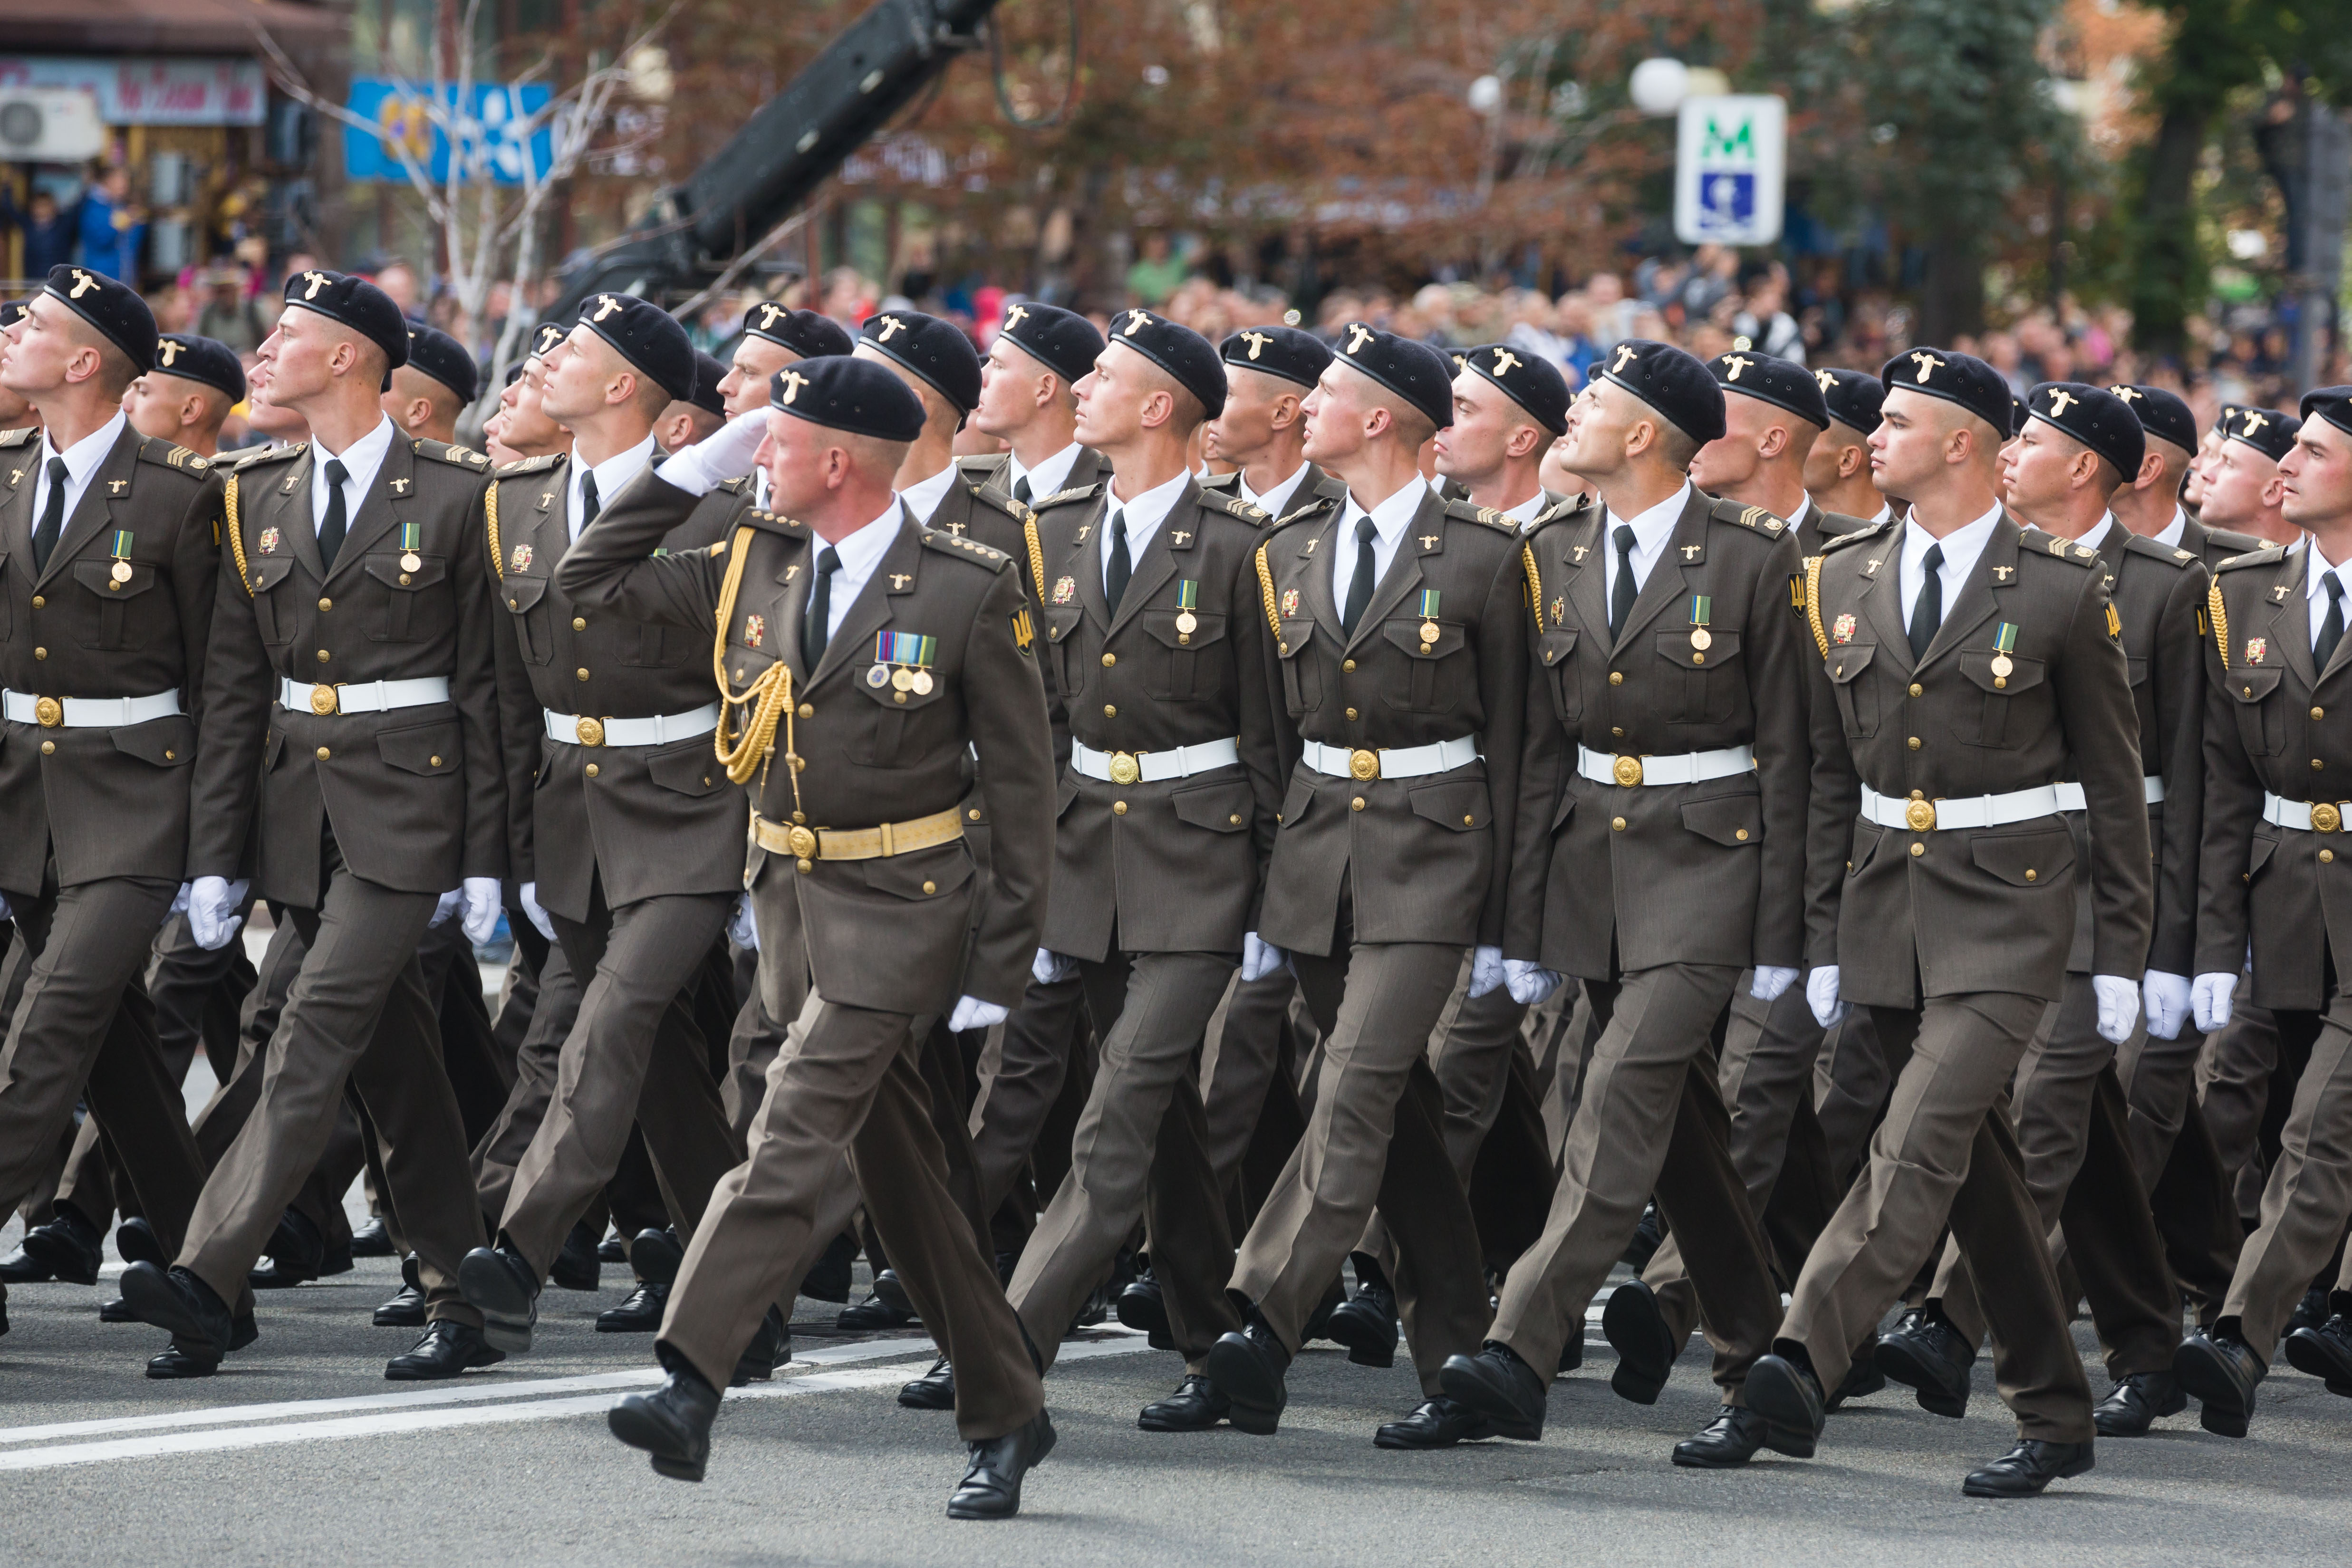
x,y
2170,535
362,461
1273,500
1962,546
1144,517
1045,478
1885,510
1652,530
82,459
924,496
1528,510
860,553
759,488
1390,521
612,476
2096,536
2315,590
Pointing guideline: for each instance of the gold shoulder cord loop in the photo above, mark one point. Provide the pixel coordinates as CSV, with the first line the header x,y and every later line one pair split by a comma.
x,y
490,518
1037,551
1813,602
1534,585
770,697
1266,588
2220,619
236,533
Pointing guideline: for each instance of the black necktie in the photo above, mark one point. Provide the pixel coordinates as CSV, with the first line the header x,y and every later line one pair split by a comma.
x,y
1623,593
53,515
589,505
331,532
820,609
1121,568
1021,489
2331,630
1928,610
1360,587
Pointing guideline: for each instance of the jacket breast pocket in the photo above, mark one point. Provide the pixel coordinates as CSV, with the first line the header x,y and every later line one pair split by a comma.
x,y
1461,804
106,601
1061,634
432,750
1857,698
416,606
2261,722
1302,676
1184,666
689,769
2042,858
273,606
2015,706
169,742
1706,691
1220,808
1435,672
1735,821
1554,651
896,723
526,601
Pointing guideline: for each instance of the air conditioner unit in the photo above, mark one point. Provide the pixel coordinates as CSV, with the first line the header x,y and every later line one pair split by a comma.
x,y
49,125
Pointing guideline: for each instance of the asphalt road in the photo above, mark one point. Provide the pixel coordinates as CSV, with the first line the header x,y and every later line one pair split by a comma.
x,y
300,1452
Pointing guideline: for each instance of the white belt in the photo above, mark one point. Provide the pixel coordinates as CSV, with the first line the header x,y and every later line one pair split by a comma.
x,y
2305,816
1398,762
1684,768
1151,767
2070,795
87,713
575,730
363,696
1965,812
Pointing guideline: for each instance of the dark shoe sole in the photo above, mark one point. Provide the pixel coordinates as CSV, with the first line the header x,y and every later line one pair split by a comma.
x,y
1371,1339
136,1243
1633,1324
1774,1392
1388,1437
653,1442
2221,1409
1256,1402
1901,1363
2307,1353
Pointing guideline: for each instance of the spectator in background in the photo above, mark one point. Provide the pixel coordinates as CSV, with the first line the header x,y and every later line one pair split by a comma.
x,y
397,278
1609,311
849,297
228,314
112,231
1156,271
1764,319
48,232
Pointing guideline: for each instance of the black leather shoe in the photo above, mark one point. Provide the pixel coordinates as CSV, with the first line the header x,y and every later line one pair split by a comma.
x,y
576,1267
137,1243
1645,1348
641,1313
1926,1353
1439,1423
446,1350
405,1309
1733,1439
2309,1313
20,1268
771,1347
1141,1306
1365,1322
2221,1372
183,1358
2133,1405
1249,1367
1095,1311
672,1424
657,1256
69,1247
504,1287
2028,1468
829,1279
1571,1352
1648,1237
889,1288
873,1314
371,1240
935,1390
117,1311
612,1249
2324,1351
1195,1407
1500,1386
178,1303
990,1488
1786,1394
295,1251
1862,1379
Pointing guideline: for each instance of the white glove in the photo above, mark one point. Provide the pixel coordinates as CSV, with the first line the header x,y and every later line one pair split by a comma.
x,y
212,911
973,1013
2118,1006
1486,970
2209,997
179,902
6,912
1051,968
2166,999
1771,980
1529,981
446,907
1260,958
725,452
1821,995
742,927
484,904
532,909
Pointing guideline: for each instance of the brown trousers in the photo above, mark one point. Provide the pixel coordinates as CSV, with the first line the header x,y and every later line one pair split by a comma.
x,y
1945,1152
553,999
850,1079
1032,1061
2308,1199
2235,1089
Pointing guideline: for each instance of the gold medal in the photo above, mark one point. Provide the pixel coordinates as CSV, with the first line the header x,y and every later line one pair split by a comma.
x,y
922,682
1429,631
2002,666
410,561
1702,639
1187,623
902,679
122,571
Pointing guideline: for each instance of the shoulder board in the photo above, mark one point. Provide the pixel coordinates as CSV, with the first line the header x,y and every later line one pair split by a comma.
x,y
1486,515
981,467
1233,506
2134,544
1574,508
1867,532
773,522
738,485
259,456
456,456
2034,541
171,456
2265,556
1315,507
1755,518
1064,497
971,549
1220,481
529,464
18,437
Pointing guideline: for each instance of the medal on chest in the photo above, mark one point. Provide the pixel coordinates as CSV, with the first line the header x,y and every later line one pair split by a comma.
x,y
901,662
120,550
1065,590
412,539
1427,611
521,560
1702,609
2257,647
2004,643
1843,631
1188,594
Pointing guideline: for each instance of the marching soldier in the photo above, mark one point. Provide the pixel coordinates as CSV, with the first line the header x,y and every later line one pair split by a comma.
x,y
941,367
695,416
348,683
432,388
186,397
1837,465
2192,492
2243,490
870,664
16,412
1269,371
774,336
1940,890
521,424
1655,866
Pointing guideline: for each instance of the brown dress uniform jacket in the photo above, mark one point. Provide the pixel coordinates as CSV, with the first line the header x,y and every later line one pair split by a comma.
x,y
1961,910
1815,527
1173,865
2214,545
2274,724
1607,879
106,802
653,820
889,933
416,795
1424,858
979,506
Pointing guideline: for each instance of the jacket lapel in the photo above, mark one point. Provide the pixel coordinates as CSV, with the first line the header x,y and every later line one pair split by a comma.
x,y
1686,547
108,489
1085,561
1403,574
382,507
1883,600
1588,588
871,609
1975,604
17,501
793,575
2290,621
288,501
1158,564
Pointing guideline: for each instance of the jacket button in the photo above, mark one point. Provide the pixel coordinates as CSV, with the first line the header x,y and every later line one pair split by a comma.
x,y
931,887
1351,713
2030,875
1109,711
40,653
2317,765
1234,820
326,604
1616,824
40,603
1918,849
435,761
48,748
1616,677
1357,804
514,604
1918,690
1742,834
2316,713
806,711
974,813
1119,807
1349,665
581,675
592,770
580,622
2328,857
1467,822
170,755
1109,660
324,655
1915,743
324,754
1618,730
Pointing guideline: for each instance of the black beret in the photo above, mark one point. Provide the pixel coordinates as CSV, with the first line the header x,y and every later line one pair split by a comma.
x,y
1852,397
1773,380
2161,413
2268,431
1063,342
117,312
14,311
1962,379
544,337
2332,404
1179,351
1535,384
2225,423
2094,416
205,360
708,373
433,353
805,332
357,304
1412,369
1671,382
1285,351
2017,412
933,351
852,394
646,335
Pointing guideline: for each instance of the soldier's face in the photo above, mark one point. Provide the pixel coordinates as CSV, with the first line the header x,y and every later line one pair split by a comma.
x,y
529,429
1488,431
1014,387
744,387
2192,494
1254,402
2241,485
583,376
302,353
35,350
1111,398
1599,423
2315,477
1336,412
1754,432
1907,449
2041,468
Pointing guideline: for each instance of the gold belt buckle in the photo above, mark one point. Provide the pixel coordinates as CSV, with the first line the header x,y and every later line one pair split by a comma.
x,y
591,731
802,841
48,711
2326,818
1363,766
1123,768
1628,771
1919,815
324,700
